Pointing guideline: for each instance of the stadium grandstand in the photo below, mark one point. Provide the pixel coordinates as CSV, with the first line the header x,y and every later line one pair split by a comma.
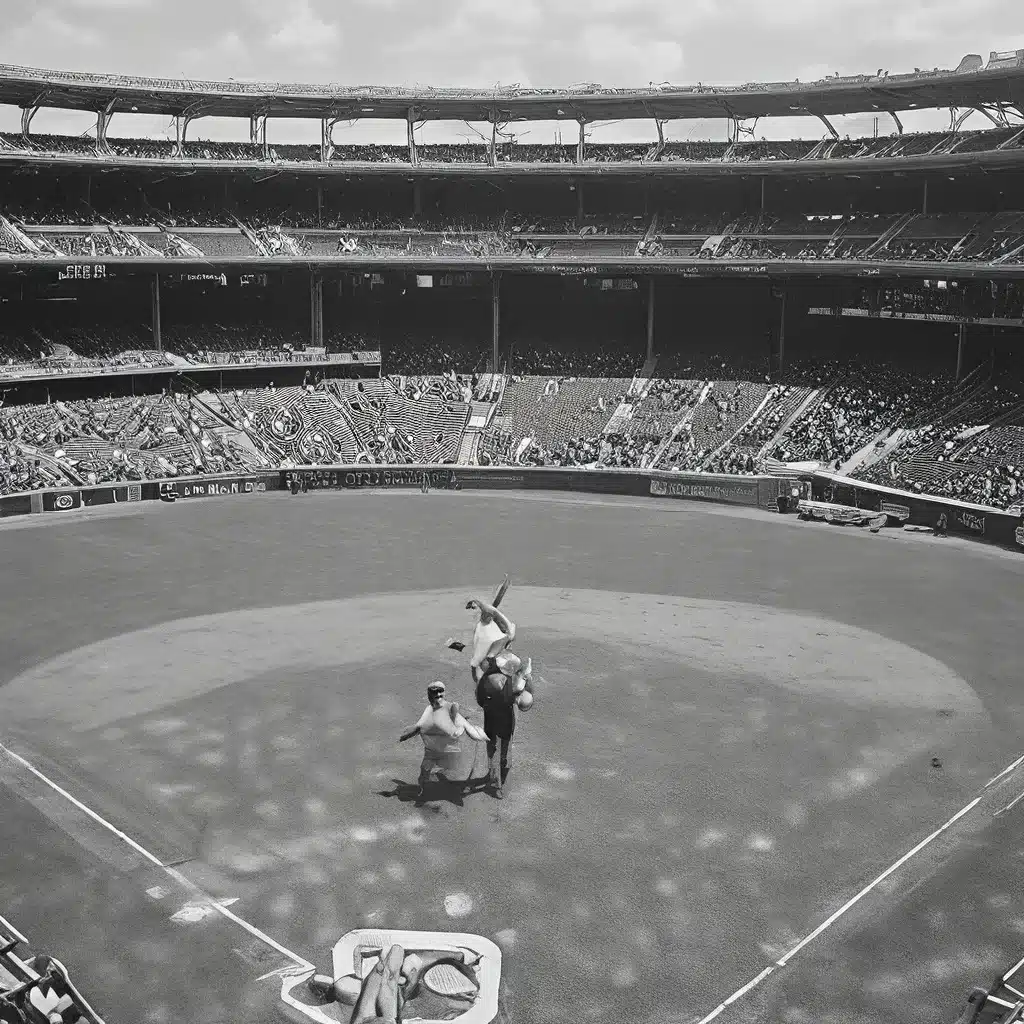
x,y
851,303
746,307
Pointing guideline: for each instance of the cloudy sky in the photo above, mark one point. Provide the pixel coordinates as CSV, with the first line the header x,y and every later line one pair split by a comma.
x,y
488,42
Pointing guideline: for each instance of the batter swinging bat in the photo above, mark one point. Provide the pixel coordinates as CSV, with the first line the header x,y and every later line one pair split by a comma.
x,y
458,645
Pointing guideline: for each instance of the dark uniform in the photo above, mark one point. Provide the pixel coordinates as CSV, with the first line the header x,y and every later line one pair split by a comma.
x,y
495,694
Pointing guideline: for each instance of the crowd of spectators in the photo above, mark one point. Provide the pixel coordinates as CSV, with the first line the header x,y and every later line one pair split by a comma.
x,y
426,356
509,150
64,350
868,401
535,358
710,413
280,229
999,486
609,450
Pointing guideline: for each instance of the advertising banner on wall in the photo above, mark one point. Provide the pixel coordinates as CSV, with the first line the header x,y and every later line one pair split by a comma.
x,y
212,488
61,501
740,492
374,477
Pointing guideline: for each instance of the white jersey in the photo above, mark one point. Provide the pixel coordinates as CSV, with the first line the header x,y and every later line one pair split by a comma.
x,y
484,635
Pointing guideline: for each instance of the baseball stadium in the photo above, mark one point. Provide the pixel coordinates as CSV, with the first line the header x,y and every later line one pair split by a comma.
x,y
513,581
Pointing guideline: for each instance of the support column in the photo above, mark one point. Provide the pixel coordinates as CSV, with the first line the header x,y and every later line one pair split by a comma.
x,y
417,198
650,318
960,352
410,124
496,320
88,190
924,198
762,195
492,150
258,133
181,124
154,292
581,146
325,140
28,113
102,125
316,309
579,204
320,203
782,333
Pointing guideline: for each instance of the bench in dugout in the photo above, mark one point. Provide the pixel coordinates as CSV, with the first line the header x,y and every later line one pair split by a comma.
x,y
35,988
1001,1003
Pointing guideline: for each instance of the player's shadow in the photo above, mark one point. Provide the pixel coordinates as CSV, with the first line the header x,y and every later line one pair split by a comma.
x,y
441,790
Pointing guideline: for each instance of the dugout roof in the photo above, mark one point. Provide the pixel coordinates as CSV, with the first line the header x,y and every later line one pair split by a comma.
x,y
972,85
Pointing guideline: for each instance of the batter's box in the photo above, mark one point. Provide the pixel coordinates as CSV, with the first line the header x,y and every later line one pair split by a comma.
x,y
447,976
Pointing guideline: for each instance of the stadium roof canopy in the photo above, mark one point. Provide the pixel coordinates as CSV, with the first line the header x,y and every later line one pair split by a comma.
x,y
972,85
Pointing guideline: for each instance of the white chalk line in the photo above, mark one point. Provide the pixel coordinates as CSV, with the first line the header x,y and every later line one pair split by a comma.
x,y
783,961
185,883
1005,771
1010,806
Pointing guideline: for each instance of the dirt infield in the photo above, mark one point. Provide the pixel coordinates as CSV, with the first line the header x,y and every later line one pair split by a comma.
x,y
734,733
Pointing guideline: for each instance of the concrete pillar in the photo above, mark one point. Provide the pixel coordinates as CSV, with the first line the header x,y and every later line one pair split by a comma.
x,y
316,310
579,204
960,352
924,198
154,293
650,318
496,320
762,195
782,333
326,144
410,125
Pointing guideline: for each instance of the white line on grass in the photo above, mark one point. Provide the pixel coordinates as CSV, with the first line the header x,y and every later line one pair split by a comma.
x,y
1010,806
191,887
740,993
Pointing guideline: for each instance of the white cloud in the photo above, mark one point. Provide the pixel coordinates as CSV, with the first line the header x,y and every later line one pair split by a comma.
x,y
608,54
111,5
300,27
215,57
46,25
513,14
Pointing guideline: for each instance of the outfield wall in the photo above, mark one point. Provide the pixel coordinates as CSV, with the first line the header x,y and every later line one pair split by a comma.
x,y
978,522
973,521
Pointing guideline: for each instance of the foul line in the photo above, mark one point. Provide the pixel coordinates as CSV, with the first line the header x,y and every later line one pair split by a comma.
x,y
191,887
771,968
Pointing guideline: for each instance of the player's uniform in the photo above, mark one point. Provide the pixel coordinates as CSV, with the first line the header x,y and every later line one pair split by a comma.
x,y
440,736
491,643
